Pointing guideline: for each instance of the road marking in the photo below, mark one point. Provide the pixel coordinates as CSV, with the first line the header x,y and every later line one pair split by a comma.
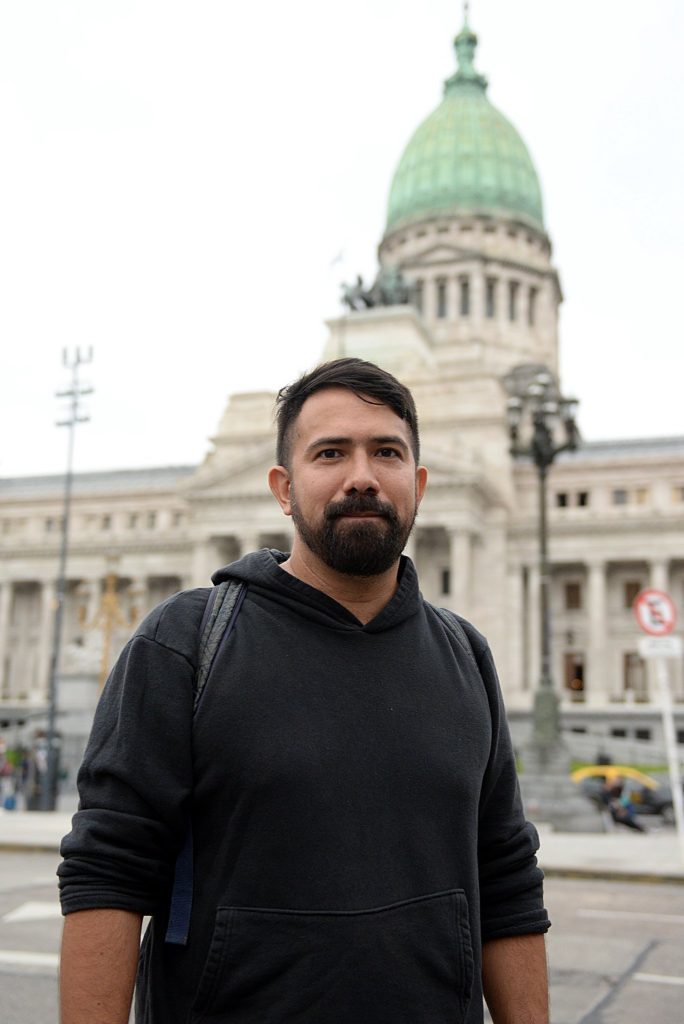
x,y
34,910
23,958
659,979
631,915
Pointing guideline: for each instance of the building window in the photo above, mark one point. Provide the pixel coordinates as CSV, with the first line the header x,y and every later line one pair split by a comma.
x,y
512,300
177,518
634,677
464,296
680,736
133,519
418,295
632,588
583,498
574,675
441,299
573,596
641,495
562,499
446,582
618,734
642,734
49,525
532,306
151,520
620,496
490,297
106,523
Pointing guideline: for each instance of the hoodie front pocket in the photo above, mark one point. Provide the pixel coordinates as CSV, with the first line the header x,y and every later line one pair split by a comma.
x,y
407,962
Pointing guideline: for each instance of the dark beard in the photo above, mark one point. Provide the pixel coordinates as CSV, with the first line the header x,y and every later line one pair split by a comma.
x,y
363,548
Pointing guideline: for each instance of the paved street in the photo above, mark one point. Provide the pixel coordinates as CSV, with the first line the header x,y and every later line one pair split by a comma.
x,y
616,949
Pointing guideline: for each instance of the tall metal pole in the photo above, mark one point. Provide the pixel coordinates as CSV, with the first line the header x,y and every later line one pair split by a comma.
x,y
49,790
545,680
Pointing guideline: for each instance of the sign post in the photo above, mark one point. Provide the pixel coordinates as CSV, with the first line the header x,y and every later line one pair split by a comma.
x,y
656,614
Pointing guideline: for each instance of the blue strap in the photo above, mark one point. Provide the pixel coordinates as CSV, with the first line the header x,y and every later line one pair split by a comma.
x,y
222,609
181,896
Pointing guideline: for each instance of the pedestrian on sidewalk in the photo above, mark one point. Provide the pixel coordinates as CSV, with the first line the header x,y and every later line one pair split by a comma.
x,y
358,852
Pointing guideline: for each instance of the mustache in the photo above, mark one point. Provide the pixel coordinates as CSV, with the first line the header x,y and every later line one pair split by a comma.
x,y
357,503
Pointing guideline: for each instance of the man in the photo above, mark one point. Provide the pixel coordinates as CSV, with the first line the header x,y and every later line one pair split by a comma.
x,y
361,855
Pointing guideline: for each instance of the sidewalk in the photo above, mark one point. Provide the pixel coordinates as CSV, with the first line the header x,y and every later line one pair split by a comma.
x,y
619,855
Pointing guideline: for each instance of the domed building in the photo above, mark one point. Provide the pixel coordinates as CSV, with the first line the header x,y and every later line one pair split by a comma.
x,y
474,297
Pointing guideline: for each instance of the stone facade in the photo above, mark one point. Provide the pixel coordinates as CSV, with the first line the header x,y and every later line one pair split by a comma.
x,y
484,299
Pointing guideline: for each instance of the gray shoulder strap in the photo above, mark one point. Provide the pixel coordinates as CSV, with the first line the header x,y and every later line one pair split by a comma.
x,y
225,599
457,631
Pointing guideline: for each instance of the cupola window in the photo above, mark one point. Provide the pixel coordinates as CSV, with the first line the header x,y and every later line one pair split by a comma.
x,y
464,296
418,295
513,300
441,299
532,306
490,298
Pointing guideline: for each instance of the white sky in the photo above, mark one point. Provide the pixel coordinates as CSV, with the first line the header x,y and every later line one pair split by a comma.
x,y
178,178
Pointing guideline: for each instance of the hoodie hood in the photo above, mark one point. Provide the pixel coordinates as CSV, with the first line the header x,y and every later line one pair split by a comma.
x,y
261,571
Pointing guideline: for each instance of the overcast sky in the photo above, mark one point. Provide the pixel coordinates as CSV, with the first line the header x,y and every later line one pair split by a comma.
x,y
179,180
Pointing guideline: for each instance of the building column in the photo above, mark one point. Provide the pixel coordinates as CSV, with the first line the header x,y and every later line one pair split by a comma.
x,y
5,603
460,570
477,298
206,559
515,634
411,546
597,681
48,607
659,574
138,594
249,542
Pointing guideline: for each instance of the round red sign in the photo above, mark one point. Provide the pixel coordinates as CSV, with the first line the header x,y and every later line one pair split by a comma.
x,y
655,612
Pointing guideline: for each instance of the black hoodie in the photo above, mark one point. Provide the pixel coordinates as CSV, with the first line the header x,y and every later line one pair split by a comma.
x,y
357,824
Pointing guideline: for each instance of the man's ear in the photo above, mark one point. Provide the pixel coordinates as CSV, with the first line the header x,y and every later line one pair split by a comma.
x,y
279,482
421,483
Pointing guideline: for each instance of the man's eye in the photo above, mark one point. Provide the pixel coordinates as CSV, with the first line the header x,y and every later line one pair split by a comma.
x,y
328,453
388,453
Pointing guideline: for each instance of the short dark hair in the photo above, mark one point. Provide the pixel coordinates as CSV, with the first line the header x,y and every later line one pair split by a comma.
x,y
363,378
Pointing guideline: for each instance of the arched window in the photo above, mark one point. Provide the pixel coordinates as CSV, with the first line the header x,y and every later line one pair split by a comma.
x,y
532,306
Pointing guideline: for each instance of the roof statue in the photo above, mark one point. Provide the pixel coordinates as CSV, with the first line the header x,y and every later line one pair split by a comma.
x,y
388,289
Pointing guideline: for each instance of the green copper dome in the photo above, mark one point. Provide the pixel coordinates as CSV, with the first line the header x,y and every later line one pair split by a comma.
x,y
466,157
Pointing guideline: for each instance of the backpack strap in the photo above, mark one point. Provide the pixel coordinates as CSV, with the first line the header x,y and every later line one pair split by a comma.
x,y
223,605
454,627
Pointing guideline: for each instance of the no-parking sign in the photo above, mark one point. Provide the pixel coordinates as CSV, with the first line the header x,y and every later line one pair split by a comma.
x,y
655,612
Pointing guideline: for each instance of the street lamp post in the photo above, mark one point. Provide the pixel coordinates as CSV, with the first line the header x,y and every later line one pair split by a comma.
x,y
541,424
48,798
534,395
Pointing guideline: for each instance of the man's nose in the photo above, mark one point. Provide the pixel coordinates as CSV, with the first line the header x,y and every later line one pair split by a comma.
x,y
361,476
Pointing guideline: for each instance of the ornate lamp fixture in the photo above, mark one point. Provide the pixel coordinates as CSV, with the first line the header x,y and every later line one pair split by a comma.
x,y
541,425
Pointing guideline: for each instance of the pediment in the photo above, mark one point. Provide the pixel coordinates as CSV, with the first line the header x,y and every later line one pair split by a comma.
x,y
229,481
440,253
226,477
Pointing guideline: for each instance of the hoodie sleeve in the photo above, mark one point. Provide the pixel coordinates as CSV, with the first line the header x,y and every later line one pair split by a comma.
x,y
511,891
136,777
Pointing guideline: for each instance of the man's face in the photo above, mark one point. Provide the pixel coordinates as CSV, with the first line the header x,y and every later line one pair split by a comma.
x,y
352,486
